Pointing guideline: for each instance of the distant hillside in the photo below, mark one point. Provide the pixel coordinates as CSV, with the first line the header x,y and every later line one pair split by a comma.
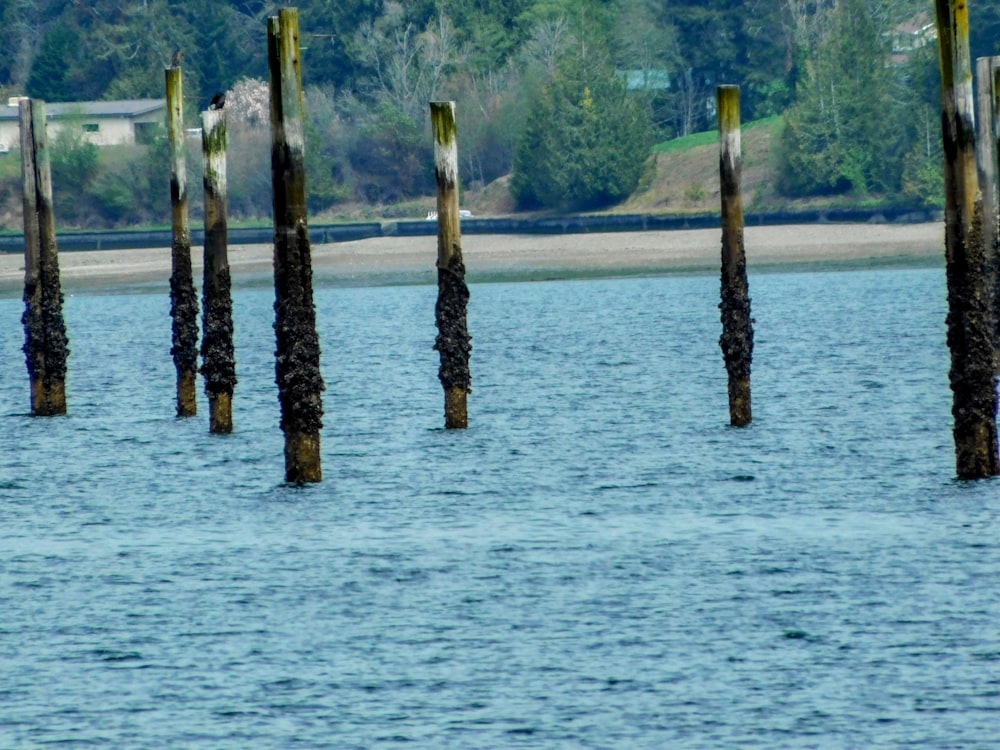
x,y
683,178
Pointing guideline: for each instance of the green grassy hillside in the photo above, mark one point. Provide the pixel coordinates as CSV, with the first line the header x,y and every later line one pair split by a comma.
x,y
682,177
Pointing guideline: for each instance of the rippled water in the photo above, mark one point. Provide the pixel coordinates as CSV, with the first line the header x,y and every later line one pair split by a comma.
x,y
599,562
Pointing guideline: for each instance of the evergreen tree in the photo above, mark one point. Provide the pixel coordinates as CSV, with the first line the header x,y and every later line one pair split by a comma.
x,y
984,29
585,142
492,29
843,132
727,42
48,78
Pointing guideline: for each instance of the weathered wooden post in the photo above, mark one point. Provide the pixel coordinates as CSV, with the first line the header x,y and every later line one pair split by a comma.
x,y
995,123
970,328
737,325
46,346
183,298
218,359
986,150
453,340
986,164
300,382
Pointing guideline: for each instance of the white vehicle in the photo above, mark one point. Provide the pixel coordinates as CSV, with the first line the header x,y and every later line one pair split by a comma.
x,y
462,214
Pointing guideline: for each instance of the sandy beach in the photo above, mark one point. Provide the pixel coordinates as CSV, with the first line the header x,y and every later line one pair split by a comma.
x,y
395,260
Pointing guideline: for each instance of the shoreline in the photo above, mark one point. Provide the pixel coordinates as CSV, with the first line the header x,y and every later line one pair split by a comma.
x,y
391,260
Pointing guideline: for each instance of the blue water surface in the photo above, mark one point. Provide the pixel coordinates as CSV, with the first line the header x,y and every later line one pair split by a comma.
x,y
600,561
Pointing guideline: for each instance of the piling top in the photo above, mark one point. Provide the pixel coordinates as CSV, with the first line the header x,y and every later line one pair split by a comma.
x,y
953,41
213,131
729,107
443,122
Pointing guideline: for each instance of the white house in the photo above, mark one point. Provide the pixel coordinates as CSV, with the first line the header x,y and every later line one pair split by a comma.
x,y
102,123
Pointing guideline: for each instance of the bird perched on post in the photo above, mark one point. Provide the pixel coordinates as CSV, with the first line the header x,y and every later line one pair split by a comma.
x,y
218,101
178,56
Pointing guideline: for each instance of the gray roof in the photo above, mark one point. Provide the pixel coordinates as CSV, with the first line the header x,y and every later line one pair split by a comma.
x,y
127,108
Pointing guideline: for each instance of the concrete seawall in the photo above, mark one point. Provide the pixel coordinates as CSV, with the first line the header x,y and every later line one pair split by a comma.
x,y
603,223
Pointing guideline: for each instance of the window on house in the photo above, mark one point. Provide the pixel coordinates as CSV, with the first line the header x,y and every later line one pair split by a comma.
x,y
91,127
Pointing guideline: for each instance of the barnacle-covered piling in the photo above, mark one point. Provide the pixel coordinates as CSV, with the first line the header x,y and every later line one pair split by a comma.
x,y
297,366
737,326
970,321
46,345
453,341
183,298
218,358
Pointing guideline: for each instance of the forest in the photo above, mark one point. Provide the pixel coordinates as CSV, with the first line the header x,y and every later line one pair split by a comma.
x,y
562,100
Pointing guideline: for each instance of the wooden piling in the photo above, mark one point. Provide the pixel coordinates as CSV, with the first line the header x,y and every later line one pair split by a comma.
x,y
986,150
737,325
970,329
453,341
183,298
986,165
218,359
46,346
300,382
995,125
